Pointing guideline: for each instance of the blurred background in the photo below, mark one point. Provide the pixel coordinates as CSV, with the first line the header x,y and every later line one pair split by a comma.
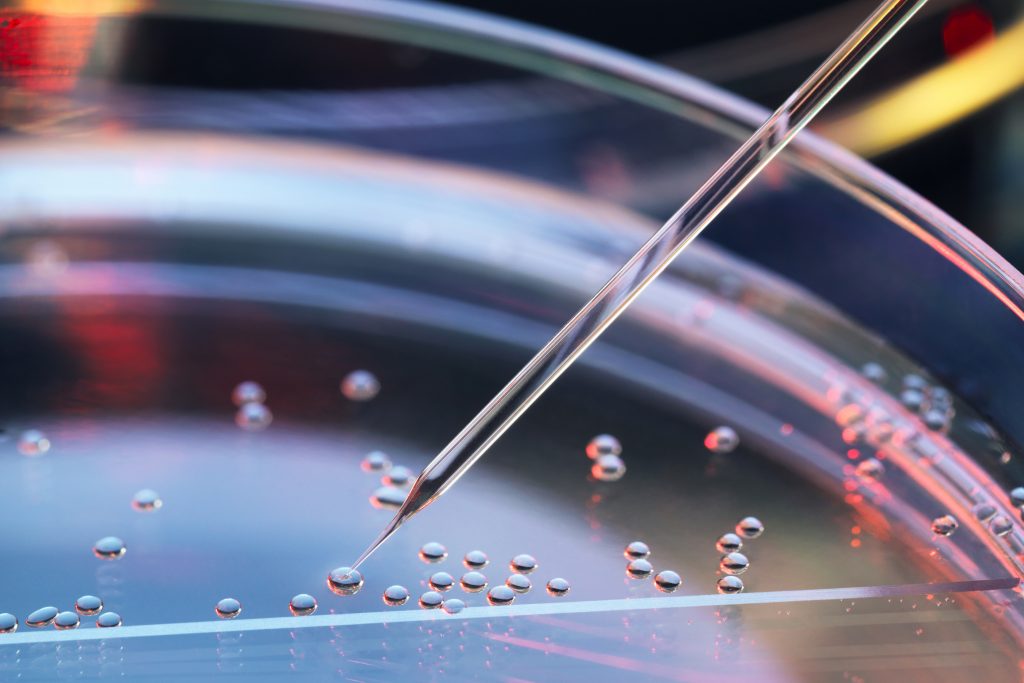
x,y
940,109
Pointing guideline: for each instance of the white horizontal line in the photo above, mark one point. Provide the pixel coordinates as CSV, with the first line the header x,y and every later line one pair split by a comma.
x,y
522,610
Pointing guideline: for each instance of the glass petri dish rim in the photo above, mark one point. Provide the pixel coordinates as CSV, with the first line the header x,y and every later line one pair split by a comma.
x,y
549,52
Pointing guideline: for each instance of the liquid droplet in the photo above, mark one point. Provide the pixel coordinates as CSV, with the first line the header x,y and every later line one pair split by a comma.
x,y
398,476
558,587
913,399
874,372
33,443
473,582
734,563
722,440
1017,497
248,392
519,583
302,605
108,620
8,623
984,511
433,552
147,500
945,525
667,581
345,581
254,417
109,548
376,461
476,559
730,584
388,497
913,381
431,600
360,385
441,581
603,444
88,605
608,468
396,595
228,608
750,527
639,569
1001,525
523,564
936,420
453,605
637,550
501,595
65,621
870,469
729,543
41,617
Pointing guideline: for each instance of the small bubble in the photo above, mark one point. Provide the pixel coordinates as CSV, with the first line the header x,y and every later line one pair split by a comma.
x,y
874,372
8,623
501,595
302,605
388,497
88,605
453,605
65,621
1001,525
41,617
870,469
441,581
398,476
639,569
984,511
730,584
344,581
603,444
945,525
376,461
722,440
729,543
360,385
431,600
228,608
523,564
519,583
396,595
1017,497
33,442
473,582
433,552
248,392
109,548
912,399
108,620
637,550
253,417
147,500
734,563
667,581
558,587
476,559
750,527
608,468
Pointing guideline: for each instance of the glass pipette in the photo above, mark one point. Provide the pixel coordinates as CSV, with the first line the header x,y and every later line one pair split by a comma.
x,y
652,258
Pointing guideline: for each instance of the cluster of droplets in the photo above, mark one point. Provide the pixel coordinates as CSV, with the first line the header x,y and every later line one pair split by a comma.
x,y
395,480
639,567
732,562
85,606
253,415
605,452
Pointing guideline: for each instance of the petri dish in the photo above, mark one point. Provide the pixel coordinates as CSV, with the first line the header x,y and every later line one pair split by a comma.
x,y
294,194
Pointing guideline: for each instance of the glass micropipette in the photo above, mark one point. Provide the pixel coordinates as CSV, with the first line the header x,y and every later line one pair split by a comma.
x,y
651,259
